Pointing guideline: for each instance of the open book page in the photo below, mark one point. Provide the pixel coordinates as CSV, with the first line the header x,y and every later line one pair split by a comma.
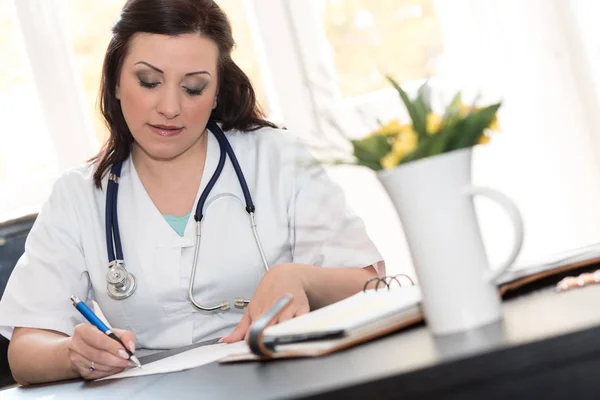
x,y
534,266
186,360
364,308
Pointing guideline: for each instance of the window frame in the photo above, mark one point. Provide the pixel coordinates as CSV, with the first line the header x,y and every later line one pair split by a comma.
x,y
295,44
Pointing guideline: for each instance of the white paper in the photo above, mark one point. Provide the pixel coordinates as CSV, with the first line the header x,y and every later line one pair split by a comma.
x,y
186,360
351,313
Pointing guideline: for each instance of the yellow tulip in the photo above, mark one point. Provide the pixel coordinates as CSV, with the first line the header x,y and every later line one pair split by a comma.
x,y
391,128
483,139
433,123
494,124
406,129
403,144
390,160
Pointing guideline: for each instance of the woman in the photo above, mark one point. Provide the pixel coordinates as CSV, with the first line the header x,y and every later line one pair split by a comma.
x,y
167,76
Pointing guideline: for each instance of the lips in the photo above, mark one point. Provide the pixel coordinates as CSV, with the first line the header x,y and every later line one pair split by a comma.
x,y
166,130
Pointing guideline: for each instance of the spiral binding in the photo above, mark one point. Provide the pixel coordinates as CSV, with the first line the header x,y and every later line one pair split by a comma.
x,y
387,281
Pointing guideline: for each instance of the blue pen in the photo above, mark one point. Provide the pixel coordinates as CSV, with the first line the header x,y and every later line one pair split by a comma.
x,y
94,320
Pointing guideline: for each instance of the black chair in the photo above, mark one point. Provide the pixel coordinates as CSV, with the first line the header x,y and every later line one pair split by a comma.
x,y
12,245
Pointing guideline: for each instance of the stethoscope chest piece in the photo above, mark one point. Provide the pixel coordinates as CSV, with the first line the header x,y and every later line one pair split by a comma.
x,y
120,283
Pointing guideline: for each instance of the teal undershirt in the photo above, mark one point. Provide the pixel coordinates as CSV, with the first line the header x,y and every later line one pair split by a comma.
x,y
177,223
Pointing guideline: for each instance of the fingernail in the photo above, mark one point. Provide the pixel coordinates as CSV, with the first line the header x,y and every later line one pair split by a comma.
x,y
132,346
221,340
123,354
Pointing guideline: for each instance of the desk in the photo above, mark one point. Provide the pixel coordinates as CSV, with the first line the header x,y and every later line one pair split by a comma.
x,y
548,346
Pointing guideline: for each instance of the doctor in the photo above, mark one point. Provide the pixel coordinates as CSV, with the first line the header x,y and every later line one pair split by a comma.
x,y
169,90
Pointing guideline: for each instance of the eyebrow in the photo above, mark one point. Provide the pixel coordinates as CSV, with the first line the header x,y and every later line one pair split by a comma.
x,y
161,71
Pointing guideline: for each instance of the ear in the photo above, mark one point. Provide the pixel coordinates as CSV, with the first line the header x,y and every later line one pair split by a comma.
x,y
216,101
118,92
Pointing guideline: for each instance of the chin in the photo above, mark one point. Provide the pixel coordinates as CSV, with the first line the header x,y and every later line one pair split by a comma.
x,y
162,152
165,150
165,155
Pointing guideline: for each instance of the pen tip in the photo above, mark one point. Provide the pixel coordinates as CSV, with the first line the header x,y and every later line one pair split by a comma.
x,y
136,361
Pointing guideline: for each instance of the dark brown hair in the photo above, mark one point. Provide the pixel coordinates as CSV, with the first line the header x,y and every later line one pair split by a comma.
x,y
237,107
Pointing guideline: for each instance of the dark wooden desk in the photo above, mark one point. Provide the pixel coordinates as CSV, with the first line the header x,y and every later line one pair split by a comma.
x,y
548,346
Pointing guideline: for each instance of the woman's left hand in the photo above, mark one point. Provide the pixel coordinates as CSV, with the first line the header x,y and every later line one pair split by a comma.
x,y
279,280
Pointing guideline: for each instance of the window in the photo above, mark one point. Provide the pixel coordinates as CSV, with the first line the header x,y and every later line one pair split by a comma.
x,y
244,53
27,162
90,23
371,38
328,59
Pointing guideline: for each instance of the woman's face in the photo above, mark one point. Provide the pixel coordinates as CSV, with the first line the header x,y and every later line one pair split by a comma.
x,y
167,89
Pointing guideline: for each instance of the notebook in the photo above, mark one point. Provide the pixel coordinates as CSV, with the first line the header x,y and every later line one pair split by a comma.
x,y
356,319
373,313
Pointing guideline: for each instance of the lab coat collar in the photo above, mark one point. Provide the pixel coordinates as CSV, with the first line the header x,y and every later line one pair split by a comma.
x,y
157,230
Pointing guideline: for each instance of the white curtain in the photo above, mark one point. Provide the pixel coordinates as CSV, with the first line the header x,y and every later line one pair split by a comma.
x,y
52,66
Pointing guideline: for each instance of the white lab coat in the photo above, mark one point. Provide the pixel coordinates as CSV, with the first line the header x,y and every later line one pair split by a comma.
x,y
301,217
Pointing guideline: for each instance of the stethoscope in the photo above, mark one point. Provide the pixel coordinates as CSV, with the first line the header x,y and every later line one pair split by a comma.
x,y
120,283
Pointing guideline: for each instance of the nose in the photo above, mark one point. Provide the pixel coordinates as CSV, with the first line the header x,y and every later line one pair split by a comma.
x,y
169,103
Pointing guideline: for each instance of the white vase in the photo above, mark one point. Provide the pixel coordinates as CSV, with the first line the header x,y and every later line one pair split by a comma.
x,y
433,197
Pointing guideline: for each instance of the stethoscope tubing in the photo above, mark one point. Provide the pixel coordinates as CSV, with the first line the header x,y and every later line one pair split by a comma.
x,y
113,237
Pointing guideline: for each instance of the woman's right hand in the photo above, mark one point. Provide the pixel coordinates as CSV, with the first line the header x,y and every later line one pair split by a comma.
x,y
94,355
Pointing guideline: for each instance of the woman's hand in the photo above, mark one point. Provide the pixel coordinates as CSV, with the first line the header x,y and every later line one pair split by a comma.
x,y
279,280
94,355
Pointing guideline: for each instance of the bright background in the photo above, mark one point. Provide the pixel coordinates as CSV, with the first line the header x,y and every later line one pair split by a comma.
x,y
318,66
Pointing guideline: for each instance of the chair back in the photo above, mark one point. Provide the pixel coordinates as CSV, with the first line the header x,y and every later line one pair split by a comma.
x,y
12,245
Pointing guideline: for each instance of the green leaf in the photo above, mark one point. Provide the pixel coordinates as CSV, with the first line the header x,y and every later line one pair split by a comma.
x,y
440,142
371,149
424,93
402,93
423,101
472,127
417,112
453,108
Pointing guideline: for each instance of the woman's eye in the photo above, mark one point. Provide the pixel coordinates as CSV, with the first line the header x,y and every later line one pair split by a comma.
x,y
149,85
194,92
